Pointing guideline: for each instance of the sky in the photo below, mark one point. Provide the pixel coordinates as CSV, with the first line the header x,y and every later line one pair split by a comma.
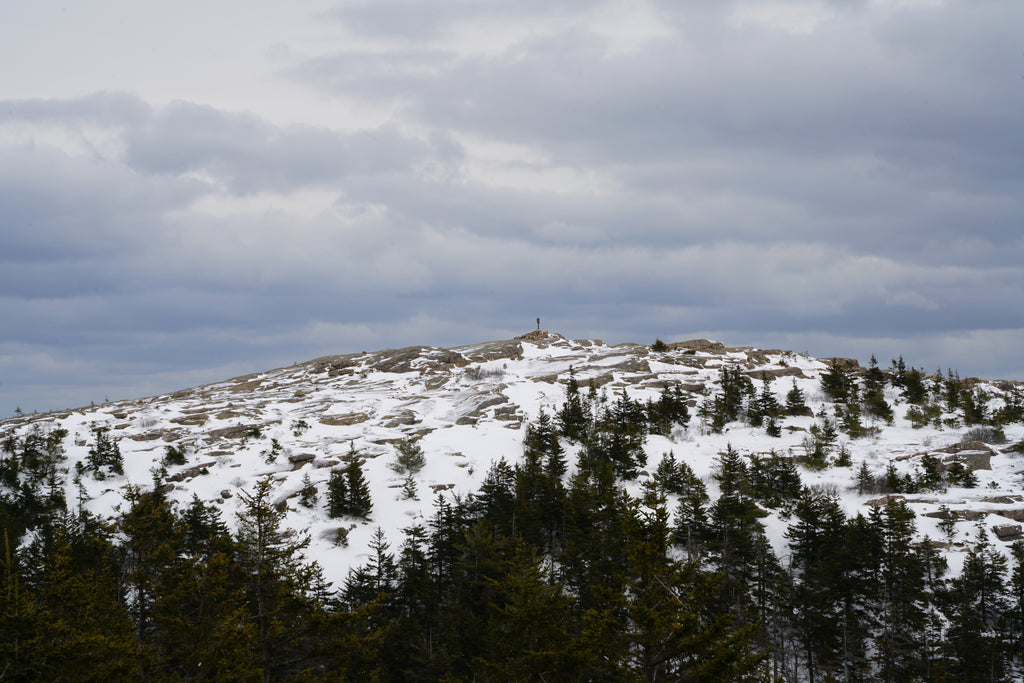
x,y
193,191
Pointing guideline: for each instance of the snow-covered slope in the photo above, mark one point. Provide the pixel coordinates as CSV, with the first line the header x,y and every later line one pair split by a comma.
x,y
468,406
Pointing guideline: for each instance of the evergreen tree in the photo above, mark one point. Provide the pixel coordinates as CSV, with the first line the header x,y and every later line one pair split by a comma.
x,y
104,457
975,609
358,499
914,389
572,418
816,539
669,411
734,528
866,481
796,402
307,495
377,579
149,552
774,480
898,373
836,381
899,586
337,494
874,393
83,626
409,458
277,579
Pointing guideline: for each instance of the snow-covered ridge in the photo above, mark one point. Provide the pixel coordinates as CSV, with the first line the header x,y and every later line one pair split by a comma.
x,y
467,407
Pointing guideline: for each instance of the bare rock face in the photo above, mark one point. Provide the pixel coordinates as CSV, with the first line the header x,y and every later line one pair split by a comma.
x,y
533,335
399,360
974,455
493,351
1007,532
236,432
775,373
344,420
699,345
966,446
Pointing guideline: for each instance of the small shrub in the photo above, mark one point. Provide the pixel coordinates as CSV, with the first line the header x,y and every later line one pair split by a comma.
x,y
174,455
478,373
992,435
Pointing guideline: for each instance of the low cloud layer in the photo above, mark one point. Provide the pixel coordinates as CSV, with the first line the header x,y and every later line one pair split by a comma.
x,y
841,178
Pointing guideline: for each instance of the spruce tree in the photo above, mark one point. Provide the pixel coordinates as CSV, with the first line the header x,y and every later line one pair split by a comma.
x,y
337,494
836,381
874,393
359,501
409,458
796,403
104,457
307,494
572,418
277,581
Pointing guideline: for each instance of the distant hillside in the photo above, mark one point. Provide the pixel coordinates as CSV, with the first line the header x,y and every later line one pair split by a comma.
x,y
785,482
468,406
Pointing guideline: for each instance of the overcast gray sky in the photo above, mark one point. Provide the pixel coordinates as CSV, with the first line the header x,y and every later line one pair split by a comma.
x,y
191,191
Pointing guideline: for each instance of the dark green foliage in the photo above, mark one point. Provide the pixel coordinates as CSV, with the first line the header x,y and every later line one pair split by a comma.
x,y
530,579
659,346
360,503
931,476
669,411
874,393
850,420
174,455
348,494
913,388
975,609
952,389
1012,409
337,493
820,444
796,402
898,373
409,458
276,582
958,475
764,409
774,480
837,382
307,495
270,455
104,457
947,523
573,418
922,416
617,439
866,482
975,406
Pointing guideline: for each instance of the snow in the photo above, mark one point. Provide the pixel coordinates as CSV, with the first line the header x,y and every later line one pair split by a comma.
x,y
440,405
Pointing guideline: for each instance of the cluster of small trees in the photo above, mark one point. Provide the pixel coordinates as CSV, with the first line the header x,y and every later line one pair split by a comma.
x,y
737,399
614,431
348,493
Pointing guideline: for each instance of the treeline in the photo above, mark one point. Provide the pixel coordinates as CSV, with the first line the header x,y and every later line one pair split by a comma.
x,y
551,571
858,400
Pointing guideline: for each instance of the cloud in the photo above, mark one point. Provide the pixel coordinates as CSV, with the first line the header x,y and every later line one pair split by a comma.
x,y
845,173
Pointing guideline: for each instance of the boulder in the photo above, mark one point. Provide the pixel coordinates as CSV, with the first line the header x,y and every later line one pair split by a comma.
x,y
1007,532
699,345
